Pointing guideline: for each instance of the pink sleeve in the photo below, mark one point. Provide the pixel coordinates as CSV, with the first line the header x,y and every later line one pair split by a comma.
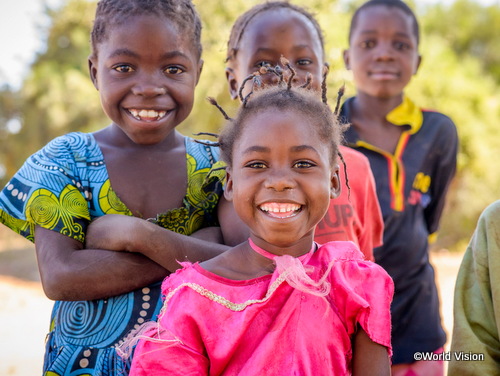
x,y
363,295
153,358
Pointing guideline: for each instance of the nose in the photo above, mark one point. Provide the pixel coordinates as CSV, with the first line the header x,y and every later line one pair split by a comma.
x,y
149,86
279,179
384,52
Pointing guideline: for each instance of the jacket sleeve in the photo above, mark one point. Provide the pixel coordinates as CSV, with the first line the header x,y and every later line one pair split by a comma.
x,y
477,301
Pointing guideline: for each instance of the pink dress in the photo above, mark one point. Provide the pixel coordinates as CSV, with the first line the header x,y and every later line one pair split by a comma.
x,y
211,325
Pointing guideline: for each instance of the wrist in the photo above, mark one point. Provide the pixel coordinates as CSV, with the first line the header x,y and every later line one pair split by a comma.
x,y
144,236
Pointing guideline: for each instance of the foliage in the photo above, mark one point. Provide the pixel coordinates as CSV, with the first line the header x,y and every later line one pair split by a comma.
x,y
473,32
460,76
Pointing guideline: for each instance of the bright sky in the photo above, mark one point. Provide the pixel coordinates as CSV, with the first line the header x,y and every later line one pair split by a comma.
x,y
20,39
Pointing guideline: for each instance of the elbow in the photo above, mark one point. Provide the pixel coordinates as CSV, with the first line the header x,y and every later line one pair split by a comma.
x,y
56,286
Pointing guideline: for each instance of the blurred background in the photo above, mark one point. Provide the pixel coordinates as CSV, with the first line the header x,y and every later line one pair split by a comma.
x,y
45,91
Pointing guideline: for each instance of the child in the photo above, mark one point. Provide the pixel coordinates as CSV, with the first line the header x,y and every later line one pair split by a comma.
x,y
475,345
145,62
412,154
275,305
260,37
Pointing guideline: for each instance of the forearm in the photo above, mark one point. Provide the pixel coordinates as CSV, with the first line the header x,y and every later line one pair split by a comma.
x,y
369,358
69,272
96,274
168,248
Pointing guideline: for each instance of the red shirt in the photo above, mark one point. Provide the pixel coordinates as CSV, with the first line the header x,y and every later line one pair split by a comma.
x,y
355,215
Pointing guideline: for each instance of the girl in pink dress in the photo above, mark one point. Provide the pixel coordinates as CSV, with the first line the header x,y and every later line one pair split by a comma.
x,y
278,304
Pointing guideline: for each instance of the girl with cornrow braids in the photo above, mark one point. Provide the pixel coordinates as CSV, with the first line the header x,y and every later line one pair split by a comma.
x,y
145,63
259,37
279,303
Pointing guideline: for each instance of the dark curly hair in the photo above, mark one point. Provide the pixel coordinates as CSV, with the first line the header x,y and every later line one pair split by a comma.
x,y
390,4
244,20
116,12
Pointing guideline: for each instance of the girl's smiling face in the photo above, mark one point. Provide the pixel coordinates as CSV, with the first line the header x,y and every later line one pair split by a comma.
x,y
281,179
383,53
146,72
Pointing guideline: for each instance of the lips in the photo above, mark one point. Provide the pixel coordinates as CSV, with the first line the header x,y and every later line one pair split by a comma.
x,y
383,75
147,115
280,210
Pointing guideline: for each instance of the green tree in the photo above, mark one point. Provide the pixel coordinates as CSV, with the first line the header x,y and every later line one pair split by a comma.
x,y
472,30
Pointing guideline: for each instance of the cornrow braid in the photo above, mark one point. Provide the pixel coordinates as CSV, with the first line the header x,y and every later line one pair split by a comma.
x,y
116,12
282,97
324,97
244,20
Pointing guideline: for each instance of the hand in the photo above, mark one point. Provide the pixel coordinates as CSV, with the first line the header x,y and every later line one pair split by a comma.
x,y
113,232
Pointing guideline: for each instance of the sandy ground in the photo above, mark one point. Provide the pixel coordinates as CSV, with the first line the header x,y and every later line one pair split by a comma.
x,y
25,311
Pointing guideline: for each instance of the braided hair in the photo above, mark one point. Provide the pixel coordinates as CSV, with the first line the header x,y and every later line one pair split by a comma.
x,y
282,97
116,12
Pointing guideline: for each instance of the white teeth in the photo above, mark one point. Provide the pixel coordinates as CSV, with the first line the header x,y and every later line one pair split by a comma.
x,y
148,114
280,208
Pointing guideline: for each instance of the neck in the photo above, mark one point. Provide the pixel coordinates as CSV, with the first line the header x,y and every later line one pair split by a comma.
x,y
114,136
297,249
374,107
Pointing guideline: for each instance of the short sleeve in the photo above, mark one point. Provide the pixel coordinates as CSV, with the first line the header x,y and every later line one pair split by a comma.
x,y
157,355
48,192
363,295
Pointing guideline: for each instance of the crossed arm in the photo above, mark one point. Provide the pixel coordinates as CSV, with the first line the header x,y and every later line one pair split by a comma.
x,y
124,253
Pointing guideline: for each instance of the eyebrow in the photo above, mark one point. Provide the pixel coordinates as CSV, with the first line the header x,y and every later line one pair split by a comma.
x,y
264,149
405,35
271,50
300,148
130,53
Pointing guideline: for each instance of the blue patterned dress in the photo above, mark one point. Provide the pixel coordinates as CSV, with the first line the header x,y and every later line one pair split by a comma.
x,y
62,188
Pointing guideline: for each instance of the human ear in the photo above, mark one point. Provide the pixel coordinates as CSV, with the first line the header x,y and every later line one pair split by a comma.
x,y
345,55
335,188
232,83
200,69
419,61
228,189
93,71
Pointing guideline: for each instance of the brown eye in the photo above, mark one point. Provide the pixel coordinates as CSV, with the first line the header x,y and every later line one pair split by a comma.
x,y
303,62
367,44
256,165
401,46
303,164
123,68
173,70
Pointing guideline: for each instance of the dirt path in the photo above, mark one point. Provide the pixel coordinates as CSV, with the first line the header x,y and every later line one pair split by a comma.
x,y
25,311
